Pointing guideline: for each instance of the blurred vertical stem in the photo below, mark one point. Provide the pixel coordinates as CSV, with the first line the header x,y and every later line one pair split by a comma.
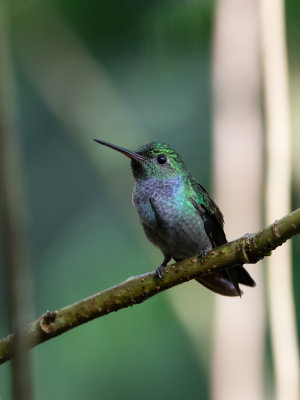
x,y
237,141
13,217
278,198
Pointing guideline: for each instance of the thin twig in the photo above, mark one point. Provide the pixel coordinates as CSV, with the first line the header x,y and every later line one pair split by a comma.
x,y
283,324
13,217
238,191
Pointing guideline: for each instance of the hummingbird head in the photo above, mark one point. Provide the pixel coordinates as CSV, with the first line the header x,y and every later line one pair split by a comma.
x,y
153,159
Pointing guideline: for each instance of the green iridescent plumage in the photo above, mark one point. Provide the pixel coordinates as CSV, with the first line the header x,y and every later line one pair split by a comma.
x,y
148,169
177,213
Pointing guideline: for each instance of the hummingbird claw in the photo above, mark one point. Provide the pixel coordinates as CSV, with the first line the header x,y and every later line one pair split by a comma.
x,y
160,271
202,254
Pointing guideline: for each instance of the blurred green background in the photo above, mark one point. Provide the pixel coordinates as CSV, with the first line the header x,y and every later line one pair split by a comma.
x,y
127,72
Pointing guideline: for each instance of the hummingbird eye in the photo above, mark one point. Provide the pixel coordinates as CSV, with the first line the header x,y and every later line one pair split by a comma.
x,y
161,159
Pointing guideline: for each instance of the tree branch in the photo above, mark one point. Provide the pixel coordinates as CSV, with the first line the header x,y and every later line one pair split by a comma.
x,y
248,249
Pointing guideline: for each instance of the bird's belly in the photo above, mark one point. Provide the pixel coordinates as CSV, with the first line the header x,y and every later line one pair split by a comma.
x,y
182,238
179,232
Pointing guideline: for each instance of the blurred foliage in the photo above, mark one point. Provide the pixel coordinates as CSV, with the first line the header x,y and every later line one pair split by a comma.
x,y
293,27
85,234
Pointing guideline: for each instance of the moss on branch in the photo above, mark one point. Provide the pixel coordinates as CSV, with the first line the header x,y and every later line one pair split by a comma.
x,y
248,249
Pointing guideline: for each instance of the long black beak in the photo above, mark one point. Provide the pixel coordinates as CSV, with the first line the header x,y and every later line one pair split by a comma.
x,y
128,153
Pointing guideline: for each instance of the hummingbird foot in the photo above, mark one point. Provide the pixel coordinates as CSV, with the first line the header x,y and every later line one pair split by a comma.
x,y
202,253
160,269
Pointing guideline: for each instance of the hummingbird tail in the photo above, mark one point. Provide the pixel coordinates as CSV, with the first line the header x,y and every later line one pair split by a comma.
x,y
227,282
243,276
220,283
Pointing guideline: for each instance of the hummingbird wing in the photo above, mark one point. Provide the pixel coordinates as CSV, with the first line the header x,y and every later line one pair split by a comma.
x,y
210,213
223,282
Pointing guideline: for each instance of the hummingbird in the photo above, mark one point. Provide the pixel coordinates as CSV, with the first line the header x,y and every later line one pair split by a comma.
x,y
177,213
